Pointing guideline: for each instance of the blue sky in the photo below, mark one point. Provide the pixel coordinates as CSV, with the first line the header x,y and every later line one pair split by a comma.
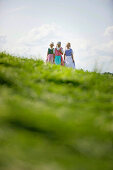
x,y
27,27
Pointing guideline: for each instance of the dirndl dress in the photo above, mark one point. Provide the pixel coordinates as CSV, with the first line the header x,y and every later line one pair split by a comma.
x,y
58,57
50,57
68,59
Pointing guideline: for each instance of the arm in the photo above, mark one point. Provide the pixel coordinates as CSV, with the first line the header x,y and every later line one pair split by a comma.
x,y
47,52
61,51
73,58
64,57
47,57
53,55
53,58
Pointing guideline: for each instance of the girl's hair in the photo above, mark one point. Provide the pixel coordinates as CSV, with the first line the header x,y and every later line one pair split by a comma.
x,y
59,43
69,44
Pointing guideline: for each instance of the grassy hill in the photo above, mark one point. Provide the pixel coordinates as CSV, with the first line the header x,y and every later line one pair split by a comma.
x,y
54,118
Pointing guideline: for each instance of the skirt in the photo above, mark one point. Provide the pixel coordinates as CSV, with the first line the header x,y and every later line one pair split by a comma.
x,y
69,62
50,58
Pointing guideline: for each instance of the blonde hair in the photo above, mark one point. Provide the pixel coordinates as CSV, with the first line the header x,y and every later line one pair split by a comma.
x,y
52,43
68,44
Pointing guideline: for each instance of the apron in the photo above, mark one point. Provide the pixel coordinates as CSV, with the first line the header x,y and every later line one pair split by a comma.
x,y
58,60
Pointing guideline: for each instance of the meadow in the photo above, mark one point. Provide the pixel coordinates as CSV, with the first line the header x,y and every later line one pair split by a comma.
x,y
54,118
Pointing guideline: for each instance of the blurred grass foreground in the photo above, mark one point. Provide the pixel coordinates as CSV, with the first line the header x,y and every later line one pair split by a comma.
x,y
54,118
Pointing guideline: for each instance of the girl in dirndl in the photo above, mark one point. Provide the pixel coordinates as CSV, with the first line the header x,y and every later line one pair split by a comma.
x,y
68,56
51,53
58,54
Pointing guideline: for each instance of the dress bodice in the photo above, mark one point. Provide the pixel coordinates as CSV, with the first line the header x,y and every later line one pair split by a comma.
x,y
68,52
50,51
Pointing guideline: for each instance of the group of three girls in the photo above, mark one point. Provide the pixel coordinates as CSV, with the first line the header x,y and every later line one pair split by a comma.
x,y
54,55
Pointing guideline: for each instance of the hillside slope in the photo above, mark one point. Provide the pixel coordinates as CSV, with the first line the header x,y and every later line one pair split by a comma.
x,y
54,118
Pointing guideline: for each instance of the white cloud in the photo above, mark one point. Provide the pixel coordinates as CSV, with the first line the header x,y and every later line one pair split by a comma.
x,y
109,31
36,41
39,35
15,10
99,54
101,49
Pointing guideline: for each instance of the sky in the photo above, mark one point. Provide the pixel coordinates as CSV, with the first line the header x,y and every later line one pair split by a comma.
x,y
28,26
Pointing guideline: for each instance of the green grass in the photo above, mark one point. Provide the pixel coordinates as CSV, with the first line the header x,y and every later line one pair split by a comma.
x,y
54,118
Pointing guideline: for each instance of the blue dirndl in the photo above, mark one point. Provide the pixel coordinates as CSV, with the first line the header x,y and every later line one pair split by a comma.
x,y
58,60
